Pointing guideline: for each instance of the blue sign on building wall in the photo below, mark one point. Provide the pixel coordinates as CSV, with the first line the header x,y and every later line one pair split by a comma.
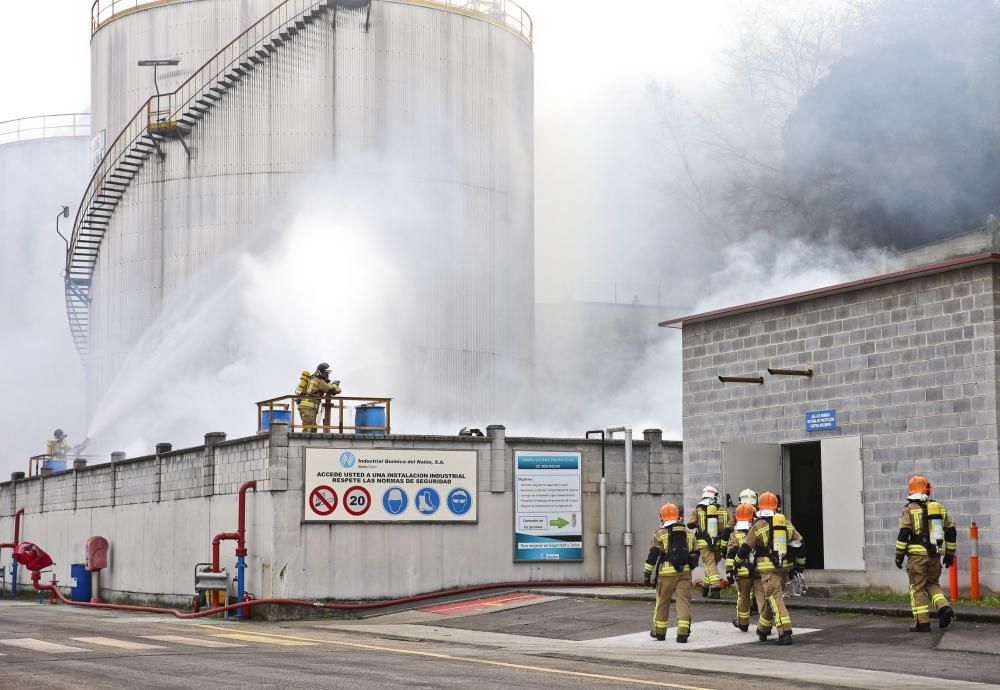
x,y
821,420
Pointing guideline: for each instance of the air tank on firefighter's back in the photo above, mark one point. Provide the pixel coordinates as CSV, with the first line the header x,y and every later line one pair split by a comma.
x,y
445,86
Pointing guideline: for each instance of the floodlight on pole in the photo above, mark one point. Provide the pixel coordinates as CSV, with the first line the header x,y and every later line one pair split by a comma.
x,y
156,64
64,213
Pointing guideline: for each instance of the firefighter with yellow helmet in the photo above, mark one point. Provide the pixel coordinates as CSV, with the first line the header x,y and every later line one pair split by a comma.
x,y
768,540
672,554
925,531
708,520
744,575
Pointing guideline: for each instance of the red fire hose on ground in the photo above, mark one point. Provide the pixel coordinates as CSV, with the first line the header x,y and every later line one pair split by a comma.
x,y
317,605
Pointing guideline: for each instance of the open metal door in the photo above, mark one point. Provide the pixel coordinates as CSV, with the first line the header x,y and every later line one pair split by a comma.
x,y
844,521
755,466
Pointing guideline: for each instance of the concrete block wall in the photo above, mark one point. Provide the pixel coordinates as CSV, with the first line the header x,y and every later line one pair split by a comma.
x,y
241,461
180,474
911,367
59,491
155,543
136,481
95,486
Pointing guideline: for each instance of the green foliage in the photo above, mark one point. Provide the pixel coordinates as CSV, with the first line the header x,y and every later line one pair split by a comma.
x,y
985,602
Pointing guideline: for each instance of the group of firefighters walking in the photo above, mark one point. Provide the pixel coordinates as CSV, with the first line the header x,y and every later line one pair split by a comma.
x,y
761,549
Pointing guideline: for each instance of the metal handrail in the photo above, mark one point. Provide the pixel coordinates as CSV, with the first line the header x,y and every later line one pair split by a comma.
x,y
329,403
45,127
507,13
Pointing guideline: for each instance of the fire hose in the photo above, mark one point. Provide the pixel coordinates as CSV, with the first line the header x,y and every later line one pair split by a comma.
x,y
316,605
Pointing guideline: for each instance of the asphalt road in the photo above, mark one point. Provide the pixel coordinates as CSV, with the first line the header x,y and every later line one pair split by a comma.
x,y
501,642
59,647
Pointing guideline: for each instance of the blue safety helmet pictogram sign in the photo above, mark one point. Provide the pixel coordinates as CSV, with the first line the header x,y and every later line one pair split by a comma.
x,y
394,500
459,501
427,501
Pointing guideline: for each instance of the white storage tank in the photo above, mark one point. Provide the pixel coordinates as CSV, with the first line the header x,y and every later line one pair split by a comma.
x,y
432,97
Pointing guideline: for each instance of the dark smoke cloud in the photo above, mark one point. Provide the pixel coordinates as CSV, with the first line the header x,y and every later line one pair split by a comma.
x,y
899,143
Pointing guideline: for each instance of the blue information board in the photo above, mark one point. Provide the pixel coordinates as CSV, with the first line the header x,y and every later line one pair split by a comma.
x,y
821,420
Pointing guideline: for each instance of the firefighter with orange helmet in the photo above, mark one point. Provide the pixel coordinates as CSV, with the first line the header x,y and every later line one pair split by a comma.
x,y
768,540
925,531
672,555
744,574
708,520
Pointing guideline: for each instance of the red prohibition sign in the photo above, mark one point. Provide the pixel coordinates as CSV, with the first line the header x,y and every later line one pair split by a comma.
x,y
357,500
323,500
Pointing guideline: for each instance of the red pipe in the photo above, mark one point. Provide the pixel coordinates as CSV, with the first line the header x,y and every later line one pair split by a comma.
x,y
241,530
218,539
319,605
17,525
17,531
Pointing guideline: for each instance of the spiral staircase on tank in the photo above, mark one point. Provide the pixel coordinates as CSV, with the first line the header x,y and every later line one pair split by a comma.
x,y
165,117
174,115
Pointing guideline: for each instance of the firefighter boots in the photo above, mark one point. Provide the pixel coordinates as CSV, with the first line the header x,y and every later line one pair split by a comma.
x,y
784,638
682,639
921,627
945,616
743,628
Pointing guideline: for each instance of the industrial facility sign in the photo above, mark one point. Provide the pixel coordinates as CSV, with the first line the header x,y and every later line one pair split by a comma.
x,y
821,420
384,485
548,507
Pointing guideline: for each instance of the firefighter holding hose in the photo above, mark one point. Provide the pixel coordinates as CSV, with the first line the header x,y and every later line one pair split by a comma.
x,y
311,390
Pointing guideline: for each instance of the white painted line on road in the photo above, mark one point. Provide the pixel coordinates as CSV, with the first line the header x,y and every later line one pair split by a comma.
x,y
266,639
118,644
194,641
41,646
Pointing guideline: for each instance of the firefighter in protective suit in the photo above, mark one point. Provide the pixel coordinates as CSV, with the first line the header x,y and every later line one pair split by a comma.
x,y
768,540
744,575
748,496
313,390
708,520
672,554
925,530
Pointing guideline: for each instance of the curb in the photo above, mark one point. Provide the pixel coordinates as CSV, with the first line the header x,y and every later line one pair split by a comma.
x,y
962,613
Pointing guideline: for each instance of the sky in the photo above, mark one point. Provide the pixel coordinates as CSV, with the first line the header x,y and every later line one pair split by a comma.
x,y
581,51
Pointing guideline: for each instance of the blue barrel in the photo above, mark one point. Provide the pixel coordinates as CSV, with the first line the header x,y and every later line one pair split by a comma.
x,y
54,465
370,415
279,416
81,579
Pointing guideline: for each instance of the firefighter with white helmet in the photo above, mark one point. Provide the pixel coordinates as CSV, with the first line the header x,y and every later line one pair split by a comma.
x,y
768,540
672,555
925,531
748,496
708,520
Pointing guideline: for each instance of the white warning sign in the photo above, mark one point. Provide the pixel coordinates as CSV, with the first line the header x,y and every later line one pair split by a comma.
x,y
384,485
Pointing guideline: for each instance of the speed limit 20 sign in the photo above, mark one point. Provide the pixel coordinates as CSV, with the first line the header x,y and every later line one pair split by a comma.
x,y
357,501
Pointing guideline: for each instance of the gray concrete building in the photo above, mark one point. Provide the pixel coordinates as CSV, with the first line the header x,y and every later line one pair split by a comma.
x,y
898,376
